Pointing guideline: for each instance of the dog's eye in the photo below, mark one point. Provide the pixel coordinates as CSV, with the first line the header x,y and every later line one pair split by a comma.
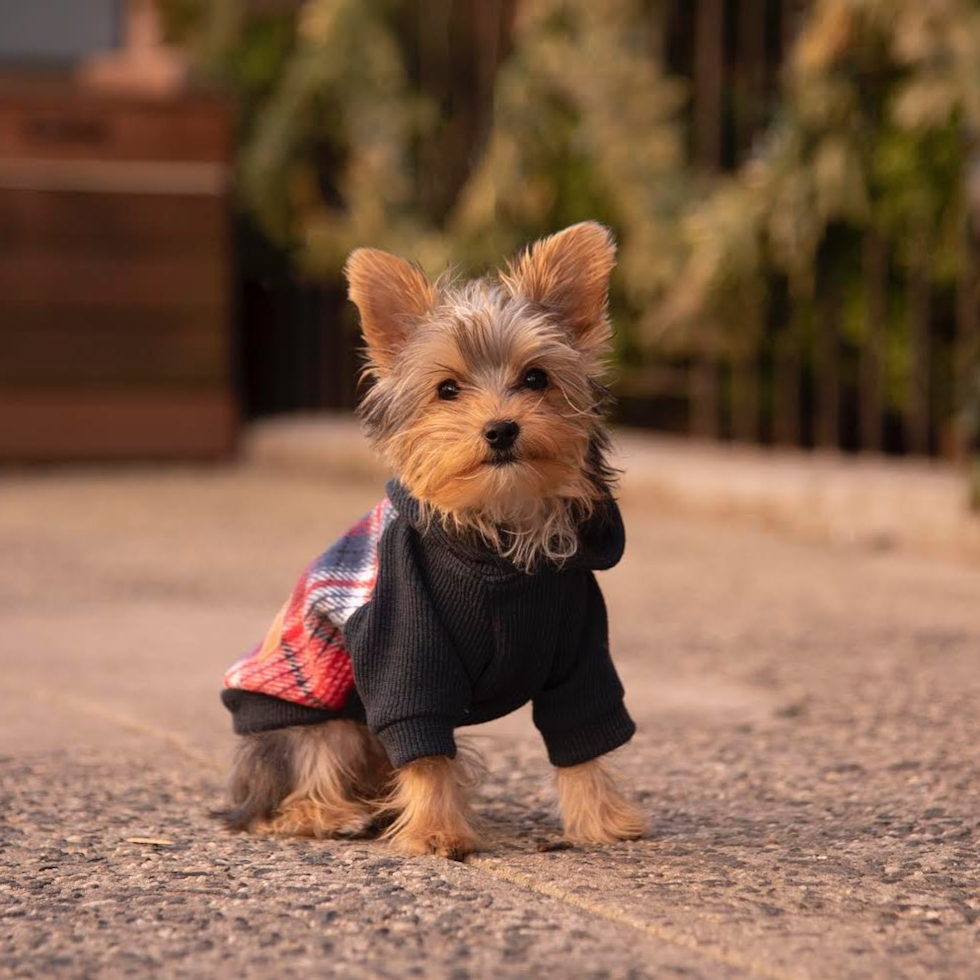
x,y
448,390
535,379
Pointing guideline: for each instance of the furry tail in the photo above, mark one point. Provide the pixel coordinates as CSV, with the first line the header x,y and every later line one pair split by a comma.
x,y
261,778
308,781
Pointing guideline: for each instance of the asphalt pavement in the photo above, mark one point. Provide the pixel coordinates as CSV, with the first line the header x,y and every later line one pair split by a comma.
x,y
809,723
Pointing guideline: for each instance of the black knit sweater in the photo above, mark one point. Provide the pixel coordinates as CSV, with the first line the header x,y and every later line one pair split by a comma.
x,y
456,635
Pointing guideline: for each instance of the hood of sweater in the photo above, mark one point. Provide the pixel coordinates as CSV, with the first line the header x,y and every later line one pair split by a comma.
x,y
602,539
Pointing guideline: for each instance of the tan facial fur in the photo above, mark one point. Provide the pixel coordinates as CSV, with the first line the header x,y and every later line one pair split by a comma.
x,y
547,313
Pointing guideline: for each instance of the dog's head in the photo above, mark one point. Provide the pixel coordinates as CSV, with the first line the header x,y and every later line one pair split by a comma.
x,y
487,398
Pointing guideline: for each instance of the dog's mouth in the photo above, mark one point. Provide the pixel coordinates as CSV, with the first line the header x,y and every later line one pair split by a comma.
x,y
506,458
514,457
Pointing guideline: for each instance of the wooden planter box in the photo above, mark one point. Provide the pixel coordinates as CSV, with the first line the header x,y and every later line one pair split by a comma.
x,y
115,276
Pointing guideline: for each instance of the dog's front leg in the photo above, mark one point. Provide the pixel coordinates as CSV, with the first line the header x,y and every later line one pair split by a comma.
x,y
431,800
593,810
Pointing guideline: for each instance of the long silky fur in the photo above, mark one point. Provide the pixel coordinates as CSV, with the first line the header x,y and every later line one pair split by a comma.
x,y
429,802
321,780
261,778
539,528
592,808
547,530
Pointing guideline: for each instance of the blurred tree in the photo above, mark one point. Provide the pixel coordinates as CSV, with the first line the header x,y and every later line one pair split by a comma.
x,y
360,121
388,123
880,113
585,125
459,129
874,135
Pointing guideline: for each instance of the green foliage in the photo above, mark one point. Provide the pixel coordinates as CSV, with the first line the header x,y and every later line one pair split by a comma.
x,y
874,132
335,129
329,122
345,141
586,125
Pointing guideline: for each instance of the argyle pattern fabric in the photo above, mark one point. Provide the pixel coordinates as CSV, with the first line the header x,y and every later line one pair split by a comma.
x,y
302,658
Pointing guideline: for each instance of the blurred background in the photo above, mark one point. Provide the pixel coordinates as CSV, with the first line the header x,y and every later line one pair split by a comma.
x,y
795,187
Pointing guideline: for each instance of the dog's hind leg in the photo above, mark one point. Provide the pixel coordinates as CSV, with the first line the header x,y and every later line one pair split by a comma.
x,y
311,781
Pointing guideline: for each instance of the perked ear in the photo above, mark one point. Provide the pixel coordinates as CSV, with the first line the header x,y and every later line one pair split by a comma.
x,y
391,294
569,273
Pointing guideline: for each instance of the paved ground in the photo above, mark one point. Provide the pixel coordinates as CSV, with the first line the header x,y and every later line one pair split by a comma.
x,y
868,501
808,757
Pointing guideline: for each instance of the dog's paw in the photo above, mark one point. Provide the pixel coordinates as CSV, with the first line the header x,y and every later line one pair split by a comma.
x,y
453,847
450,847
305,818
593,809
610,820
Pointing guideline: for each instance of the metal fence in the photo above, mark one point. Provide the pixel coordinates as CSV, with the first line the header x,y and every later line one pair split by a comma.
x,y
808,384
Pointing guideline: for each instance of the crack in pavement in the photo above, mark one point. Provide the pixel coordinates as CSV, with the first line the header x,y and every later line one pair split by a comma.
x,y
492,868
502,872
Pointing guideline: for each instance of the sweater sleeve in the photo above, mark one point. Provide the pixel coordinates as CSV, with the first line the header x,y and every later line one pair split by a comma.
x,y
580,713
406,668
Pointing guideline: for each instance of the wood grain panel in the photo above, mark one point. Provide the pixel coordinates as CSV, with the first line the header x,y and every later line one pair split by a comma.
x,y
94,282
64,424
41,219
145,347
70,123
115,276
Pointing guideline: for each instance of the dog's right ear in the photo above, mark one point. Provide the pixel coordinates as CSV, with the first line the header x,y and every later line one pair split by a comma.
x,y
391,295
568,273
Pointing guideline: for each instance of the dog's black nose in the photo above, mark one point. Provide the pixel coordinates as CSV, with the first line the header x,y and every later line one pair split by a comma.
x,y
501,434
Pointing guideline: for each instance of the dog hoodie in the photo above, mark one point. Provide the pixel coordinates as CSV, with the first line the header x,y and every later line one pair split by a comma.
x,y
416,632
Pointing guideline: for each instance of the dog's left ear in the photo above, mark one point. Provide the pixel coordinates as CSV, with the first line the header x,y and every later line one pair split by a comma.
x,y
568,272
391,295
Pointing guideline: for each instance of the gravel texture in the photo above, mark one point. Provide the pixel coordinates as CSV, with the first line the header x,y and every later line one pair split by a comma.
x,y
809,721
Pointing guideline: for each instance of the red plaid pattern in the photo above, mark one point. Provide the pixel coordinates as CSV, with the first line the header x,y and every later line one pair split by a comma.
x,y
303,658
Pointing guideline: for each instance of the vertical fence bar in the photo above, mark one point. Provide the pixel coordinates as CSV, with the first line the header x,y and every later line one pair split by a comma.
x,y
787,426
870,396
709,66
434,20
745,395
704,397
966,358
709,72
918,302
750,71
827,364
750,78
746,398
968,341
486,17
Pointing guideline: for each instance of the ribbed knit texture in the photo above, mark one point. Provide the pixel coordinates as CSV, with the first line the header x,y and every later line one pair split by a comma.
x,y
453,635
253,712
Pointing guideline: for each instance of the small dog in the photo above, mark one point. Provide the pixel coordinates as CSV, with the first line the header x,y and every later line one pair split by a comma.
x,y
469,590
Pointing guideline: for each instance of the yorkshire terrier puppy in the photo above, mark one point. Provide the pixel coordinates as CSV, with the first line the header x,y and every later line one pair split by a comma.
x,y
469,590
